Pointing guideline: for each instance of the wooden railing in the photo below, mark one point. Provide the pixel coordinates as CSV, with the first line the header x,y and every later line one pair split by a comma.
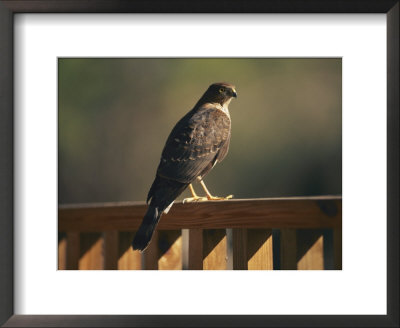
x,y
256,234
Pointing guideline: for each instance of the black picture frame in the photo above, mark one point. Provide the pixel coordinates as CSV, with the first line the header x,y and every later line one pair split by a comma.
x,y
11,7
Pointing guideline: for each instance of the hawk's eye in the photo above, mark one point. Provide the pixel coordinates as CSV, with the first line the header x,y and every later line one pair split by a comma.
x,y
221,90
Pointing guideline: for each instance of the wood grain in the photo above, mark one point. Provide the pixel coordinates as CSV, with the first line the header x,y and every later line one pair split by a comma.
x,y
259,249
310,250
73,251
91,251
288,249
239,249
62,253
192,249
128,258
207,223
214,249
170,250
337,249
300,212
111,250
151,254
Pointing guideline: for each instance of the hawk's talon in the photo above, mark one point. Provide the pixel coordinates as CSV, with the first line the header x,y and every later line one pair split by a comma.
x,y
194,199
210,197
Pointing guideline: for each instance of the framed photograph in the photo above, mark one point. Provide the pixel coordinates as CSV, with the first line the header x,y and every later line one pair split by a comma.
x,y
89,94
123,141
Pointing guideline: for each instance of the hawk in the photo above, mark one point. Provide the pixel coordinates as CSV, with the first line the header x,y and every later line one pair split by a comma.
x,y
196,143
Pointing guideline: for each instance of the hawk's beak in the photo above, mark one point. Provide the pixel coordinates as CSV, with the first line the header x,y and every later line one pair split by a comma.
x,y
234,94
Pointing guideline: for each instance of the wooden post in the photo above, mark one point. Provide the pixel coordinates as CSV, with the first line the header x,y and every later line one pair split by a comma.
x,y
192,249
337,248
288,249
73,250
259,249
150,255
110,250
310,249
91,251
239,249
128,258
214,249
62,252
328,249
170,250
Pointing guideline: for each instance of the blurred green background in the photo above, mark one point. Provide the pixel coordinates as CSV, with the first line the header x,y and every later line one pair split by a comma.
x,y
115,116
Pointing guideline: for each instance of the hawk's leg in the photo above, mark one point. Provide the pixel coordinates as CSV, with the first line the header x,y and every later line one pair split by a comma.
x,y
194,197
211,197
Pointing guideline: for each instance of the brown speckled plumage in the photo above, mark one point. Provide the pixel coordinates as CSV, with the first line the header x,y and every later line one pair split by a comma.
x,y
196,143
199,139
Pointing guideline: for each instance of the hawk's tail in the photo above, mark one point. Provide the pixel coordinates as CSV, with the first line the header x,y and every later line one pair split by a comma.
x,y
143,236
162,193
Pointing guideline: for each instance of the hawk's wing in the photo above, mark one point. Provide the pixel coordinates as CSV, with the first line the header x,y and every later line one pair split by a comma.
x,y
196,142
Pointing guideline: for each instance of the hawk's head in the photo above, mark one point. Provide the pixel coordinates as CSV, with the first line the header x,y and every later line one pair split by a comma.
x,y
221,93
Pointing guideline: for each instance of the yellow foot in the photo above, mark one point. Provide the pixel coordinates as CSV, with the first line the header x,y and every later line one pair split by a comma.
x,y
219,198
194,199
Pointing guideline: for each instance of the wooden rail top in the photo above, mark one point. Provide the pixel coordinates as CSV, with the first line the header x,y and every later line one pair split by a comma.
x,y
292,212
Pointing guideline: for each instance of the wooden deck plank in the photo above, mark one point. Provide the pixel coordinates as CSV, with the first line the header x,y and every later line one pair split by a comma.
x,y
192,249
91,251
337,249
151,254
62,252
214,249
310,250
128,258
239,249
288,249
73,250
111,243
259,249
170,248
